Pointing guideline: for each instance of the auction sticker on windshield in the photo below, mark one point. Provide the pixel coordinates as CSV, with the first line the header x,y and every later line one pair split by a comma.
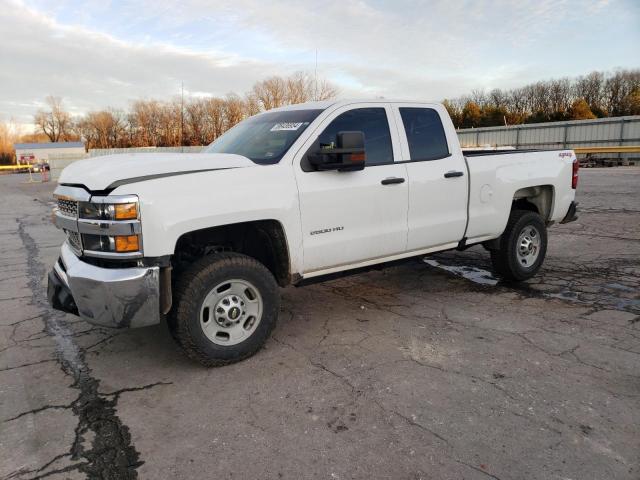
x,y
286,126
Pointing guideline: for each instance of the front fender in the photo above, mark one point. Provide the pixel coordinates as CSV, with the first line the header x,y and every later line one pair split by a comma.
x,y
173,206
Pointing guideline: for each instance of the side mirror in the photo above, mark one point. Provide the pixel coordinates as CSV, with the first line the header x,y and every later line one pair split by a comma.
x,y
349,155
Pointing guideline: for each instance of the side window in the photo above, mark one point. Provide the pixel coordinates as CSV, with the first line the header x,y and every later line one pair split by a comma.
x,y
425,134
373,122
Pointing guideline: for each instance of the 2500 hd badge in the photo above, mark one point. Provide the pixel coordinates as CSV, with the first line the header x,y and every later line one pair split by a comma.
x,y
326,230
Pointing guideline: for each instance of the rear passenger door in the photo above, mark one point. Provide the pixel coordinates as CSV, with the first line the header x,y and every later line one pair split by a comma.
x,y
438,183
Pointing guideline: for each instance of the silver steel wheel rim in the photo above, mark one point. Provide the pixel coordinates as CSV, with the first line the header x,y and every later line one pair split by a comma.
x,y
231,312
528,246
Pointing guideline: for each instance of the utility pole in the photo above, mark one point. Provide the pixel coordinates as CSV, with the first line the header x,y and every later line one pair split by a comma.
x,y
315,79
182,114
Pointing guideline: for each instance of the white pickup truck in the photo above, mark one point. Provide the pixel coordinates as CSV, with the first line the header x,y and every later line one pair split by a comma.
x,y
290,196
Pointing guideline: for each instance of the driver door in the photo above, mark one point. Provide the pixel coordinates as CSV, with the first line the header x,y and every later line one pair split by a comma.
x,y
352,219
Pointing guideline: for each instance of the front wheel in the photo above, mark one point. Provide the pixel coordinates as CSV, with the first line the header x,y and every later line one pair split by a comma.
x,y
226,306
523,246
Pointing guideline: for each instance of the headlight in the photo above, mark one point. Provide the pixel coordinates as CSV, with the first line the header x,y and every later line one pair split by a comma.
x,y
110,226
111,243
108,211
103,226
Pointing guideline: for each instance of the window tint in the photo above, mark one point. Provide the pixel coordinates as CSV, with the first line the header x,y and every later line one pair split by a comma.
x,y
425,134
373,122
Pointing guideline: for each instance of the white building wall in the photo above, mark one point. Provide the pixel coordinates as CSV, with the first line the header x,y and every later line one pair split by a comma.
x,y
42,154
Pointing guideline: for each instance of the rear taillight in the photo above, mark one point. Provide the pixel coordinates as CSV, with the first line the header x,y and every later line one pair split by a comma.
x,y
574,175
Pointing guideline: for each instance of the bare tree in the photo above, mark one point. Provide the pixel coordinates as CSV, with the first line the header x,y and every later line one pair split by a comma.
x,y
455,112
326,90
170,124
10,133
560,96
233,110
103,129
215,108
497,98
478,97
144,121
300,88
517,103
621,91
251,104
591,89
195,123
271,93
54,122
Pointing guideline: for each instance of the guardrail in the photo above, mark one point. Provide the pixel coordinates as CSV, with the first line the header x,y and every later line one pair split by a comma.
x,y
15,167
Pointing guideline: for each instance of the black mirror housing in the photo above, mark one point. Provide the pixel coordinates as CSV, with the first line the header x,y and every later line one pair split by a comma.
x,y
349,155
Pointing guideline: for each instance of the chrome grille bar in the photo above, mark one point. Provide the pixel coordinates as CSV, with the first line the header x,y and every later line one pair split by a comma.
x,y
68,207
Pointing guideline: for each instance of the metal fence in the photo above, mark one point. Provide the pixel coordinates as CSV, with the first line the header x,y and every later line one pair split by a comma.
x,y
617,131
57,162
99,152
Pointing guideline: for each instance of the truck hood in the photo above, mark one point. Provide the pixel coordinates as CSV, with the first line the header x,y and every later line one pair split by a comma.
x,y
111,171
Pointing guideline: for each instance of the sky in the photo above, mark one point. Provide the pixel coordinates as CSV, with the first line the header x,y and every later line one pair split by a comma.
x,y
99,53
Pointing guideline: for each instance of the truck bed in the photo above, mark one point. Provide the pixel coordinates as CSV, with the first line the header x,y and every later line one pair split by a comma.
x,y
497,176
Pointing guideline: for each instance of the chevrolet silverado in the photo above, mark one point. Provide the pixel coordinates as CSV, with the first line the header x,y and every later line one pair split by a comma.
x,y
290,196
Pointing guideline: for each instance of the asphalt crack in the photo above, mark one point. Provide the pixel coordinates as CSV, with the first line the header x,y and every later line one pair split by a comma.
x,y
6,369
37,410
111,453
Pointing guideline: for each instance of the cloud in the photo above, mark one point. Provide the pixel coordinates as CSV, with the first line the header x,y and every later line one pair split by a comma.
x,y
91,69
100,53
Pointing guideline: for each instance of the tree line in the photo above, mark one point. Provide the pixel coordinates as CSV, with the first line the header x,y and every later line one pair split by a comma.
x,y
596,95
199,121
176,122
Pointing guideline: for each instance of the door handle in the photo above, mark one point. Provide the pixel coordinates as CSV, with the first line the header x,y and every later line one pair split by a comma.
x,y
453,174
392,180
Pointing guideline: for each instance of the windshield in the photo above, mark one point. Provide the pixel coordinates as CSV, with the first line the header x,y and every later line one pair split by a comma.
x,y
264,138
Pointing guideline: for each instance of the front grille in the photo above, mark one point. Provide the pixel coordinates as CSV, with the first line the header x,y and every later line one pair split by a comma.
x,y
74,240
68,207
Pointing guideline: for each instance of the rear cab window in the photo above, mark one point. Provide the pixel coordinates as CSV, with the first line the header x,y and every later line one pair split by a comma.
x,y
425,134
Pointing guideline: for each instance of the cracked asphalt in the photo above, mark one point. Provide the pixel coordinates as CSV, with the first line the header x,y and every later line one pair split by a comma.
x,y
421,371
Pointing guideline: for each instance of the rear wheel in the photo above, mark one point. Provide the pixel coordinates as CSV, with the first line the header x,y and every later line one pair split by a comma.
x,y
522,248
226,307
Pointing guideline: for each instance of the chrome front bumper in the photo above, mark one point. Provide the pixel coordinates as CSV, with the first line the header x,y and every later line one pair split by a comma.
x,y
109,297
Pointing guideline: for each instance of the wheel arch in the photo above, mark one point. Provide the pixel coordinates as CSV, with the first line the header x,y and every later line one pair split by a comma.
x,y
537,199
264,240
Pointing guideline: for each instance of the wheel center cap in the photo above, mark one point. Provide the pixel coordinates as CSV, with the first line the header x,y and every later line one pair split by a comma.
x,y
234,313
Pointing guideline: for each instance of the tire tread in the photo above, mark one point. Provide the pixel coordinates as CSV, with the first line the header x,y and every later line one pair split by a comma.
x,y
192,280
504,260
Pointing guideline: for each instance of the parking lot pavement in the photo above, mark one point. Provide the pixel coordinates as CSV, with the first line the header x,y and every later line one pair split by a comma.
x,y
426,370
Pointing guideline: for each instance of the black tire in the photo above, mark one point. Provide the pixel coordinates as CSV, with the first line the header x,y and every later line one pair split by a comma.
x,y
505,259
191,289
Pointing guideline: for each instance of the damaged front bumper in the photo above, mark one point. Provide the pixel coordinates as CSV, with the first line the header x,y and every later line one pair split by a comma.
x,y
109,297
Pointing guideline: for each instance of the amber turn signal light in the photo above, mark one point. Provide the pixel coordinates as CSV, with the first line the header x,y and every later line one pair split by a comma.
x,y
126,211
128,243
